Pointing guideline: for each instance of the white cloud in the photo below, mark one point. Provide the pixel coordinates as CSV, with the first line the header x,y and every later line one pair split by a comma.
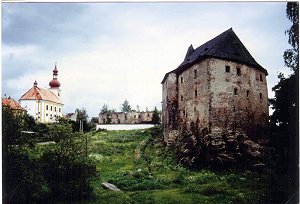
x,y
113,52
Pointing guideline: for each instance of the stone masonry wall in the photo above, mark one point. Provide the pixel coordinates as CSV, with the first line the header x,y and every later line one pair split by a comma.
x,y
237,97
125,117
193,95
218,95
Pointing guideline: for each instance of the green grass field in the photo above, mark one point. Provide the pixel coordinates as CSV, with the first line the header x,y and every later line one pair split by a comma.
x,y
137,162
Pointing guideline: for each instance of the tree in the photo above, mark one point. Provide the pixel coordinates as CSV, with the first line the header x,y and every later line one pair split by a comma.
x,y
82,116
104,108
291,56
126,107
285,118
155,116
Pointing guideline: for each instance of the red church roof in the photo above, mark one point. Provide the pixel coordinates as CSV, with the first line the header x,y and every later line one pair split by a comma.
x,y
36,93
12,104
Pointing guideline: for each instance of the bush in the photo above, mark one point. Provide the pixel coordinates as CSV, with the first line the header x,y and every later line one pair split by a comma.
x,y
58,172
68,177
22,177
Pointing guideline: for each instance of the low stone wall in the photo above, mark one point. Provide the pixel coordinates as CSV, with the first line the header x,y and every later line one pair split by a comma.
x,y
125,118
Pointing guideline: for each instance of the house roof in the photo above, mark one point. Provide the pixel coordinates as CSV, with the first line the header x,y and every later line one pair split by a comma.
x,y
225,46
12,104
36,93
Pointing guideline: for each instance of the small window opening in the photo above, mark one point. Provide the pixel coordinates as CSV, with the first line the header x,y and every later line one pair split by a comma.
x,y
50,108
196,94
260,77
238,71
227,69
235,91
195,74
181,79
55,109
46,107
59,109
194,109
183,112
248,93
260,96
181,98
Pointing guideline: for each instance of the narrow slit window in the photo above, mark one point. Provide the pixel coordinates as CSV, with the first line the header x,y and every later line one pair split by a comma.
x,y
227,69
260,96
181,79
238,71
260,77
235,91
46,107
248,93
195,74
181,98
196,94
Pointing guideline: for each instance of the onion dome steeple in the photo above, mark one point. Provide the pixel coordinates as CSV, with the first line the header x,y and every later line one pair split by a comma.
x,y
54,83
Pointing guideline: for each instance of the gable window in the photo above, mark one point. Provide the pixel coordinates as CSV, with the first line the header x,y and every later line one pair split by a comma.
x,y
181,79
235,91
238,71
260,77
248,93
195,74
227,69
196,93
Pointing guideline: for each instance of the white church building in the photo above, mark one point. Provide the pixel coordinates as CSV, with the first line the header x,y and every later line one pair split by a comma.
x,y
44,105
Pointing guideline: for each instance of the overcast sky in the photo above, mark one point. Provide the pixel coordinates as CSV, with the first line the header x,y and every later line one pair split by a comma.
x,y
109,52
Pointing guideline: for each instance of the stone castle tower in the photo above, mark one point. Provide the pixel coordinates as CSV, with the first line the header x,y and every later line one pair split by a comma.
x,y
219,86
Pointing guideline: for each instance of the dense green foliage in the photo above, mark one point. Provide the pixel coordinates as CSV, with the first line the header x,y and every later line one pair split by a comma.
x,y
82,117
34,173
155,117
146,171
285,118
126,106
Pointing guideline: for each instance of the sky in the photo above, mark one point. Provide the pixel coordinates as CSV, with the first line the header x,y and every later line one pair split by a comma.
x,y
109,52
